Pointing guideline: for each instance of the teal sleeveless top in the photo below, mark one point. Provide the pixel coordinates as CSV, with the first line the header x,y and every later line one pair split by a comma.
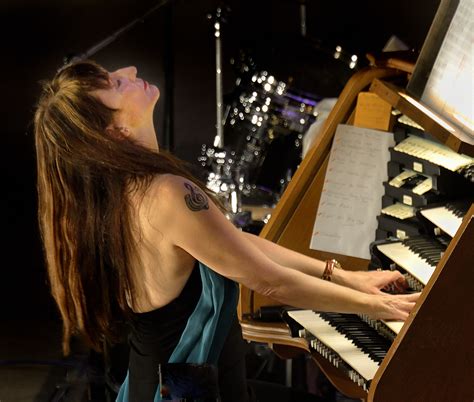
x,y
207,327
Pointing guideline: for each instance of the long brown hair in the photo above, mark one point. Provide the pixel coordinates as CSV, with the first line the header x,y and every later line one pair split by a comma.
x,y
84,175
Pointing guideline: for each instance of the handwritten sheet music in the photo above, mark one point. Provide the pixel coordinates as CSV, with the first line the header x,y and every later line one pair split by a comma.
x,y
352,191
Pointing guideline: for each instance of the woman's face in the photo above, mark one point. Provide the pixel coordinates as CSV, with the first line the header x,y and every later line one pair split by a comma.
x,y
133,98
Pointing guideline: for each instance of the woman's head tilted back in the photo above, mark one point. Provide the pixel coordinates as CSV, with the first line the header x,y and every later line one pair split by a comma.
x,y
87,164
70,121
85,109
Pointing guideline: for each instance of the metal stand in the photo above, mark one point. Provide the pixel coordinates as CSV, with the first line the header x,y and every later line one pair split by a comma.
x,y
107,41
303,18
218,18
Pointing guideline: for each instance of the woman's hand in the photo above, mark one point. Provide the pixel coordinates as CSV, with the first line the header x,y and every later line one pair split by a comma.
x,y
373,282
386,306
394,307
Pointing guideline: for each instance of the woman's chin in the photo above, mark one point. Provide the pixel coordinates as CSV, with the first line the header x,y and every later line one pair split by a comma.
x,y
154,89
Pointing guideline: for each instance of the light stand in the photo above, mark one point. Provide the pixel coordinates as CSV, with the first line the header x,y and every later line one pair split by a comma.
x,y
218,18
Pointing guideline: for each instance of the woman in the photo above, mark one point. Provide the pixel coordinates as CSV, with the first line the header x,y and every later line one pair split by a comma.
x,y
130,236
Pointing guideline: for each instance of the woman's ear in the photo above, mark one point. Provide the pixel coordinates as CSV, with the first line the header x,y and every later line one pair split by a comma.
x,y
119,132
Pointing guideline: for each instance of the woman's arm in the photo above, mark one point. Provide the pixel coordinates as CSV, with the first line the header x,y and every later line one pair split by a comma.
x,y
367,282
292,259
188,219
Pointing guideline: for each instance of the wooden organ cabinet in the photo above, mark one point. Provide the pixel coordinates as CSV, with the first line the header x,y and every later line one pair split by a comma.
x,y
432,357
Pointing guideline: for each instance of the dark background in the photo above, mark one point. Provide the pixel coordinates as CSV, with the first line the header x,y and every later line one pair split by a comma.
x,y
37,35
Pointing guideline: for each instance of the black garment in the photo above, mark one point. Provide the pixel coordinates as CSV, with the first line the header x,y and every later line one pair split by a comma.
x,y
155,335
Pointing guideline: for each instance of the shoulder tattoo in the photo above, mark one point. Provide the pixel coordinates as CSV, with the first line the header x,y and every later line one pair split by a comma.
x,y
196,200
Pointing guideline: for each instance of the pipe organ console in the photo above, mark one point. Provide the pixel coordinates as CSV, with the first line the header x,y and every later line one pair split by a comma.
x,y
425,230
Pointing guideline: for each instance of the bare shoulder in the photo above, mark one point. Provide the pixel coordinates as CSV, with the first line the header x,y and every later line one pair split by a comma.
x,y
190,220
170,198
175,192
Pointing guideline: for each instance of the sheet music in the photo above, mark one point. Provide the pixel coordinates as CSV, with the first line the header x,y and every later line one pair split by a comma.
x,y
450,87
350,199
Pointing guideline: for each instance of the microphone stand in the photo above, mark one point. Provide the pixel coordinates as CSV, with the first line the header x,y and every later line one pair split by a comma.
x,y
303,18
219,141
218,18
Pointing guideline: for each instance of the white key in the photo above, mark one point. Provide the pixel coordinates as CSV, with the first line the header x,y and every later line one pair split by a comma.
x,y
395,326
324,332
408,260
444,219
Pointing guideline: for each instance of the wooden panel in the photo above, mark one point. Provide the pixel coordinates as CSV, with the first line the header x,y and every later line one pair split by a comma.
x,y
271,332
432,359
404,60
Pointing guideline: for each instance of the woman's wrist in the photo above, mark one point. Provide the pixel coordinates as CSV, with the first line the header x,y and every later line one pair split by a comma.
x,y
373,305
341,276
331,266
349,279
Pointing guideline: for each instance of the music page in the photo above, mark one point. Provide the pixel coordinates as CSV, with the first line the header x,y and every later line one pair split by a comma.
x,y
352,191
450,87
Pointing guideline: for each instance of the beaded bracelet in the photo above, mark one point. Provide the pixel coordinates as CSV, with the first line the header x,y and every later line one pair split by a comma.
x,y
328,270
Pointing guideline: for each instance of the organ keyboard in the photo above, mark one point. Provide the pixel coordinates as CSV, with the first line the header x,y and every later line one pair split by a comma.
x,y
358,344
447,217
417,256
422,359
345,340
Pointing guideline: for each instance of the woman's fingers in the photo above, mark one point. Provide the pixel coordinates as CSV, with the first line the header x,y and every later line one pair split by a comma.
x,y
396,276
410,296
402,316
398,280
393,281
397,307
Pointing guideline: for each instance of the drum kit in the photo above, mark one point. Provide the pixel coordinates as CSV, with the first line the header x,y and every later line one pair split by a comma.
x,y
264,124
263,121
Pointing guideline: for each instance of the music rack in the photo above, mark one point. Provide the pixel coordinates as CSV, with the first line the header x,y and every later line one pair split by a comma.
x,y
425,362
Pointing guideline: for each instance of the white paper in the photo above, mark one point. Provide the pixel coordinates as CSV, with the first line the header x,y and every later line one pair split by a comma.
x,y
352,191
450,87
